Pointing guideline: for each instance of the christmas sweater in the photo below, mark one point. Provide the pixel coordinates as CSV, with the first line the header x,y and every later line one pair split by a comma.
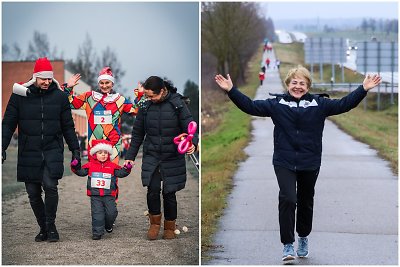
x,y
104,113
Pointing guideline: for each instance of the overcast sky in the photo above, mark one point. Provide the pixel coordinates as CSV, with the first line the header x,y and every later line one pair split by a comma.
x,y
331,9
149,38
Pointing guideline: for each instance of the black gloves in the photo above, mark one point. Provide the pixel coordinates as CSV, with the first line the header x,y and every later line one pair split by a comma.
x,y
76,155
3,156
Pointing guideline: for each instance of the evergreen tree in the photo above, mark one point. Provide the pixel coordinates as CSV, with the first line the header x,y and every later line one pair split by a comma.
x,y
192,92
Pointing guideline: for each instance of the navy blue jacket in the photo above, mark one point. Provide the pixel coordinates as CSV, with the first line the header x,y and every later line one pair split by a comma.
x,y
298,123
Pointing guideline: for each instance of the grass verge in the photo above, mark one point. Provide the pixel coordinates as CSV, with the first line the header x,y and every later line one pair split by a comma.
x,y
222,149
378,129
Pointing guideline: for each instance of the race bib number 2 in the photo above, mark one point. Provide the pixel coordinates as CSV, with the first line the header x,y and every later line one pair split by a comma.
x,y
102,117
100,180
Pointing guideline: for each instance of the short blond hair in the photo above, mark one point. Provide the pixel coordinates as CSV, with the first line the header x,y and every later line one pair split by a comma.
x,y
299,72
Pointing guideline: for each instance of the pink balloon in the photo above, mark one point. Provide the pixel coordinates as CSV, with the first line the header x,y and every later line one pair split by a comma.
x,y
184,141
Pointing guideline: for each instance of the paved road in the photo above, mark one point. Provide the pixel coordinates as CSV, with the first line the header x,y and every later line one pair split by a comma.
x,y
355,213
126,245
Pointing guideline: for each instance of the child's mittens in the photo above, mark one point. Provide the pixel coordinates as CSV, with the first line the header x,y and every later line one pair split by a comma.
x,y
74,163
128,166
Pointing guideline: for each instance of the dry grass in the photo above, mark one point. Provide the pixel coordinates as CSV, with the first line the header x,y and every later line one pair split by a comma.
x,y
223,140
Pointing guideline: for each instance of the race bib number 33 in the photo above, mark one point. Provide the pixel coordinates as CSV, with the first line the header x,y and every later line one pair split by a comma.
x,y
102,117
100,180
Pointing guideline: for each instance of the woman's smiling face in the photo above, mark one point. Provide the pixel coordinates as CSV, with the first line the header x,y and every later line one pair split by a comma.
x,y
105,86
298,87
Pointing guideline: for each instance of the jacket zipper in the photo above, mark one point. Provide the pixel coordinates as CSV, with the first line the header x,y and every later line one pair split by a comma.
x,y
159,126
42,124
297,135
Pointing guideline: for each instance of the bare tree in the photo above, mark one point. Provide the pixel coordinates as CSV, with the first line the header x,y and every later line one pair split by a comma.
x,y
364,25
18,55
13,53
5,50
232,33
88,64
39,47
84,62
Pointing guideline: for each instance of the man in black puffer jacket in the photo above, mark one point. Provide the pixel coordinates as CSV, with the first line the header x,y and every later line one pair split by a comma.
x,y
43,116
159,120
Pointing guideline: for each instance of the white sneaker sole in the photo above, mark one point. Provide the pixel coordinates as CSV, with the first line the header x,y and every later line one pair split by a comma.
x,y
288,258
306,256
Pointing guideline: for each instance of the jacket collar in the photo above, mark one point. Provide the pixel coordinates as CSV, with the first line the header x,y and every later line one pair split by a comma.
x,y
307,96
95,161
37,91
109,98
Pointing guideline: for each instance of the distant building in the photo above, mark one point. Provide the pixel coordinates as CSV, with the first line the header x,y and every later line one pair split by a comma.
x,y
283,37
299,37
21,71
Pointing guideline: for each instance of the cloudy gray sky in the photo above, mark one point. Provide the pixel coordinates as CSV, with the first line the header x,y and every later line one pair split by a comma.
x,y
330,9
149,38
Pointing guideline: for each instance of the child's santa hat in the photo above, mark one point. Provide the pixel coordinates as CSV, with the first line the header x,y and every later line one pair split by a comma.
x,y
98,145
42,69
106,74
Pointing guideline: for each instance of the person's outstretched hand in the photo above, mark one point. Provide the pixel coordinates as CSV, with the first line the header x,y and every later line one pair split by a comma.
x,y
73,80
371,81
225,84
140,87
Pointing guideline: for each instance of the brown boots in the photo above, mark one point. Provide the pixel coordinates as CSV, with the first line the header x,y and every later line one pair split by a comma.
x,y
155,225
169,229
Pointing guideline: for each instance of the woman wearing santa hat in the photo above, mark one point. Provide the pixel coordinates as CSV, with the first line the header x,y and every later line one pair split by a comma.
x,y
104,108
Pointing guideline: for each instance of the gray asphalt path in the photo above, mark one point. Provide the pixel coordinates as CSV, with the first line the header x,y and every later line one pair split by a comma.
x,y
355,211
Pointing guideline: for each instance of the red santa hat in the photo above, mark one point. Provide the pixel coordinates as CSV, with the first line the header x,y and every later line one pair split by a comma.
x,y
101,144
106,74
42,69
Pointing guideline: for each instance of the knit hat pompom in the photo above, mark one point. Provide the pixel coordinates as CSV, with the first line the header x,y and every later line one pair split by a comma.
x,y
98,145
43,69
106,74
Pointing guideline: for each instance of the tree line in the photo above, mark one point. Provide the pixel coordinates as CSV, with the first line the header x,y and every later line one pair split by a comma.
x,y
231,33
88,63
388,26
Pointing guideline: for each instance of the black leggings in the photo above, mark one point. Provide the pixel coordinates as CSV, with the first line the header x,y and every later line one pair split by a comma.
x,y
288,198
154,200
45,211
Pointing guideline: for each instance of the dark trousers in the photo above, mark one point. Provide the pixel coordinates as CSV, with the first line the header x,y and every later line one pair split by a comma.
x,y
154,199
104,213
45,211
289,197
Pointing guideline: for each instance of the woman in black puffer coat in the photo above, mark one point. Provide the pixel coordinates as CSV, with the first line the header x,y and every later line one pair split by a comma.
x,y
159,120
